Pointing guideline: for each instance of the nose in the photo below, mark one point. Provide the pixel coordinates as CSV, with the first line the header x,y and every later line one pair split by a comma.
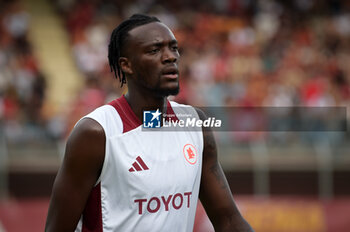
x,y
170,56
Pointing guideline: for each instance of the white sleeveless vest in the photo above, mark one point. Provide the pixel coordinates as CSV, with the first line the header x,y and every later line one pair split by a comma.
x,y
149,180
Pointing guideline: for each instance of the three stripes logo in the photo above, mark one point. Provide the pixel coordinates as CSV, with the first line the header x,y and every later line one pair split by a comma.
x,y
138,165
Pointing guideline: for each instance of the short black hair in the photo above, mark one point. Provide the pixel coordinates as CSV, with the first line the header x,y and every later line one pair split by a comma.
x,y
118,39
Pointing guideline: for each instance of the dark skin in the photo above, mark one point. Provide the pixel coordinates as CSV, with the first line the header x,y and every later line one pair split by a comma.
x,y
150,65
215,193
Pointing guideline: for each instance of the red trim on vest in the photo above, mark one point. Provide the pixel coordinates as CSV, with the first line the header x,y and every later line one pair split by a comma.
x,y
92,215
129,119
170,111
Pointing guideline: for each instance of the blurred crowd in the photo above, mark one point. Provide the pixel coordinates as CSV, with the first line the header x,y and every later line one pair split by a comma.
x,y
233,53
22,85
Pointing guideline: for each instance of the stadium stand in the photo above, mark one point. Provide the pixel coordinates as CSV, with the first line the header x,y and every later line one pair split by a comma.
x,y
234,53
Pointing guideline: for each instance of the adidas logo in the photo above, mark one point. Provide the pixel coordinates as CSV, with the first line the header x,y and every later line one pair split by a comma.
x,y
138,165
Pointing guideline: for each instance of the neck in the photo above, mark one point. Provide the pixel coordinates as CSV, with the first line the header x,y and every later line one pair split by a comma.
x,y
140,101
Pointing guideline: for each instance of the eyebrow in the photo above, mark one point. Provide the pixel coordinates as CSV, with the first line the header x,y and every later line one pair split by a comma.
x,y
159,44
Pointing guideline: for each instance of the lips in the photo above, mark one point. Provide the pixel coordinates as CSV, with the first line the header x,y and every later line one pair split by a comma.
x,y
170,72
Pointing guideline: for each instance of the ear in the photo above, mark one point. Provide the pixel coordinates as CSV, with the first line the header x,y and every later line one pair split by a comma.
x,y
125,65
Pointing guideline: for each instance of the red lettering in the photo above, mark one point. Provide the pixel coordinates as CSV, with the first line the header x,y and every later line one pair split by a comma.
x,y
140,201
154,204
166,202
149,205
188,194
181,201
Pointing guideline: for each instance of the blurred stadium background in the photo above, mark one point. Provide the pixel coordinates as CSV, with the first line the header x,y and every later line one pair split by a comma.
x,y
54,69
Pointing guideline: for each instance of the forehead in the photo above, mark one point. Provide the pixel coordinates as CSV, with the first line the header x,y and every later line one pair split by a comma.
x,y
150,33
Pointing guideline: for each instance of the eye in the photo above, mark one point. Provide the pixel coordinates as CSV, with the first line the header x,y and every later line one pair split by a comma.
x,y
154,50
175,48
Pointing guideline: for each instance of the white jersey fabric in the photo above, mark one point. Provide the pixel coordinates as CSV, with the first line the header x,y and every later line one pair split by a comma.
x,y
149,180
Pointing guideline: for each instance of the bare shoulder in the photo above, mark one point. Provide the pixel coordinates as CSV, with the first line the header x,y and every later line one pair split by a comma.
x,y
80,169
215,193
87,127
200,113
87,130
208,137
86,144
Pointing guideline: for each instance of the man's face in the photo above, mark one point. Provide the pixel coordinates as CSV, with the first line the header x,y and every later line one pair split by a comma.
x,y
153,55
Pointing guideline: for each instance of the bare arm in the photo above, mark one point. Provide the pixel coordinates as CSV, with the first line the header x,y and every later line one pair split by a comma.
x,y
79,172
215,193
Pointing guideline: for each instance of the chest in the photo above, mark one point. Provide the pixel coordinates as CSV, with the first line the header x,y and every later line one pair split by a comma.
x,y
150,164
